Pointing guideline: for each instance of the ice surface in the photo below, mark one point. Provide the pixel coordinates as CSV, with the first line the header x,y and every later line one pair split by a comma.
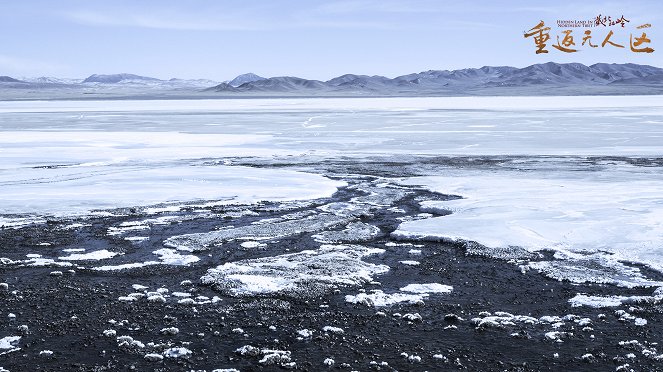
x,y
73,156
73,190
302,273
201,241
597,268
620,212
354,232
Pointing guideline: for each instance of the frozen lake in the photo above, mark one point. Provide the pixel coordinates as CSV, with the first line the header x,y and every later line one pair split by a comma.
x,y
616,126
72,157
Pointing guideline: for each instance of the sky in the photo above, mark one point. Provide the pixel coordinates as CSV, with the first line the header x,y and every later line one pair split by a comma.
x,y
220,39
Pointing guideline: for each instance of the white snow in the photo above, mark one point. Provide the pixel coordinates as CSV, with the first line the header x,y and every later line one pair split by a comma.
x,y
70,250
556,336
378,298
172,257
336,330
328,266
271,357
501,319
170,331
251,244
9,342
177,352
153,357
137,239
156,298
128,341
132,265
166,256
121,230
17,222
414,359
90,256
427,288
597,301
306,333
36,261
416,317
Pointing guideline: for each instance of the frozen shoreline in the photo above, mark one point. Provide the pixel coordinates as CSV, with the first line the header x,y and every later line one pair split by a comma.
x,y
266,276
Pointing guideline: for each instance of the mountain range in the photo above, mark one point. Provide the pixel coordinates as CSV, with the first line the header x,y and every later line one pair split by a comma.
x,y
539,75
545,78
107,81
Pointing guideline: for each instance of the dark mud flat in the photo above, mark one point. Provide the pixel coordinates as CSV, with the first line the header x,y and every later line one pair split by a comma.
x,y
498,317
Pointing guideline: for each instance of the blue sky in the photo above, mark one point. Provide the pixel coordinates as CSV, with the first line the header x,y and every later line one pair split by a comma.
x,y
311,39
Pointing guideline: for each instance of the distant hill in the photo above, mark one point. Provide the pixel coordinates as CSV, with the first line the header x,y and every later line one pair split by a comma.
x,y
7,79
117,78
539,79
470,80
245,78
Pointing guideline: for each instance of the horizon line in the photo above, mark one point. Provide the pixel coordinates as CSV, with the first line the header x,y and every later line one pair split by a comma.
x,y
349,73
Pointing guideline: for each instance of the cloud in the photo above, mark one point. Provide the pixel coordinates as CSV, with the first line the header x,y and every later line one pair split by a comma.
x,y
162,21
342,14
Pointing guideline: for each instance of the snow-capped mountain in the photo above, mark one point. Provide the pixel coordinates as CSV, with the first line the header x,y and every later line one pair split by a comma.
x,y
245,78
50,80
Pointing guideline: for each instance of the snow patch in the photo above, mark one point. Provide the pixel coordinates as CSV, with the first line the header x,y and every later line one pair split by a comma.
x,y
304,272
427,288
91,256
